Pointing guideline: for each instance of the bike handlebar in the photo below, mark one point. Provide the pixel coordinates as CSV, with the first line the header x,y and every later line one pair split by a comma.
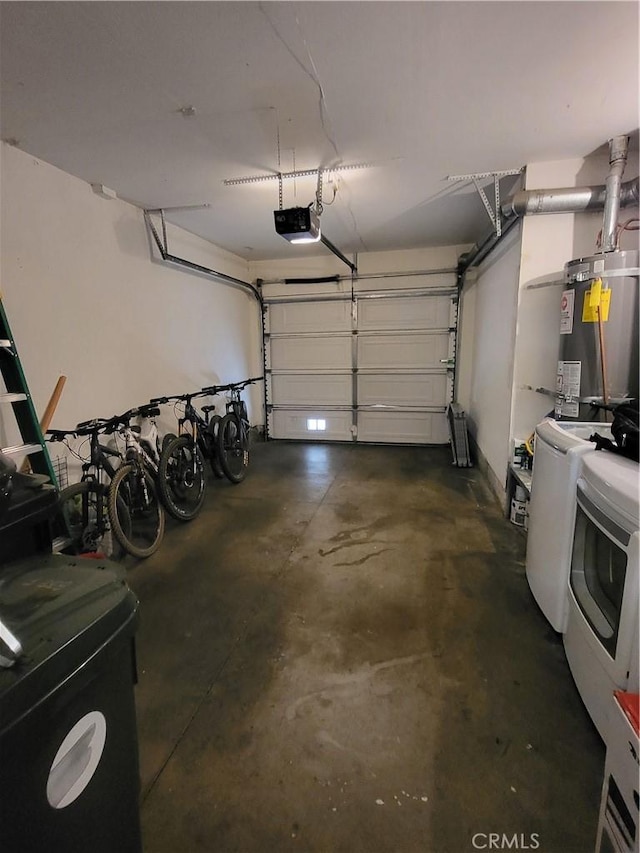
x,y
209,389
59,434
213,389
148,410
232,386
158,401
84,428
110,424
96,425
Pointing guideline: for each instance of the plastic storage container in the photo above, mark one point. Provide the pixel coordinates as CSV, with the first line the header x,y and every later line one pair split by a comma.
x,y
69,778
25,516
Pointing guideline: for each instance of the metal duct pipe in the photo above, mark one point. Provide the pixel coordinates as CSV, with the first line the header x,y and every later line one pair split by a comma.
x,y
567,200
618,147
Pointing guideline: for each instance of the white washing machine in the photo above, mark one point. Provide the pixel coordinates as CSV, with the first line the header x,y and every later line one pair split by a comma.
x,y
601,639
559,449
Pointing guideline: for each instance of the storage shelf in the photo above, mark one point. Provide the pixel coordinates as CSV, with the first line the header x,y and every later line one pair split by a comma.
x,y
523,477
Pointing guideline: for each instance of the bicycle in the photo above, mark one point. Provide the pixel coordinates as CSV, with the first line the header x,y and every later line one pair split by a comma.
x,y
135,511
83,524
233,434
181,478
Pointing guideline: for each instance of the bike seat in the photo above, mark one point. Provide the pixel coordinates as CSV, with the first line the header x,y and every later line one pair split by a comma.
x,y
208,408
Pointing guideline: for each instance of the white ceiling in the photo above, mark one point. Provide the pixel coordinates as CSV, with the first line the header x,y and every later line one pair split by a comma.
x,y
421,90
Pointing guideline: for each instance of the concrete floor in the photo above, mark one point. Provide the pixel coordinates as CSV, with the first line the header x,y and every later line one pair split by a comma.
x,y
342,654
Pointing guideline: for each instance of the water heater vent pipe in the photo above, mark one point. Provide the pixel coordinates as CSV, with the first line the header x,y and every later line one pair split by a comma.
x,y
618,147
568,199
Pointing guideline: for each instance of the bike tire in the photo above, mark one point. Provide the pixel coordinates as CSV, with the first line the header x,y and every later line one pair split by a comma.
x,y
212,444
83,522
233,447
182,483
167,438
137,517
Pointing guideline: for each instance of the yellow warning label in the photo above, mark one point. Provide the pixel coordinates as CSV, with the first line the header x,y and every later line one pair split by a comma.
x,y
592,306
595,293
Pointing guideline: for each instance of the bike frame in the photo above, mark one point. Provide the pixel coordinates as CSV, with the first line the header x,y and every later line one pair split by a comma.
x,y
140,449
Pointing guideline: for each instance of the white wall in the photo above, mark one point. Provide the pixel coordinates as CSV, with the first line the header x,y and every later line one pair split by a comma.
x,y
489,310
303,264
85,299
546,246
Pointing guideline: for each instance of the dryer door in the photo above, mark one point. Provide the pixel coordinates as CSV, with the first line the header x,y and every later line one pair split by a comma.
x,y
598,574
604,577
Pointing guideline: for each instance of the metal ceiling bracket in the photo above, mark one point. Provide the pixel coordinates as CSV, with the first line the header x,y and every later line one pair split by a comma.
x,y
485,201
478,175
494,216
296,173
496,193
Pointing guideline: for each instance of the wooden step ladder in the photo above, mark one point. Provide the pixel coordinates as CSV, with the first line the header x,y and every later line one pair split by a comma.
x,y
17,395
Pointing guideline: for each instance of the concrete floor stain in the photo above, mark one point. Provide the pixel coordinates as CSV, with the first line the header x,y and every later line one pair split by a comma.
x,y
290,702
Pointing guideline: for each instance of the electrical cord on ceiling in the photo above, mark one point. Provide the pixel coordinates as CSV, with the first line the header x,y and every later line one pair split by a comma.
x,y
313,75
322,101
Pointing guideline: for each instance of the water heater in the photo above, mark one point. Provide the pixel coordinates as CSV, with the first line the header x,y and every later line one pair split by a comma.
x,y
598,335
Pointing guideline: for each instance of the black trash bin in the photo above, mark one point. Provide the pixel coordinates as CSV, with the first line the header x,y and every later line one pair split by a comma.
x,y
69,778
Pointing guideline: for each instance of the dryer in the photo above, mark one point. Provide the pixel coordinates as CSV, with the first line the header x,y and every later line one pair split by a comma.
x,y
601,639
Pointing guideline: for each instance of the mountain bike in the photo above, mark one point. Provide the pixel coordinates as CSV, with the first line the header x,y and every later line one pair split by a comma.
x,y
181,469
83,524
135,511
233,434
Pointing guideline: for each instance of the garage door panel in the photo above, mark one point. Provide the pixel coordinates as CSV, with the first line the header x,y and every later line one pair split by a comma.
x,y
310,317
310,352
409,350
292,424
403,427
312,389
397,342
425,312
402,389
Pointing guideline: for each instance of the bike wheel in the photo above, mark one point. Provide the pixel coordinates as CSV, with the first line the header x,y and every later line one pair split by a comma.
x,y
181,479
137,518
167,439
233,447
212,444
82,525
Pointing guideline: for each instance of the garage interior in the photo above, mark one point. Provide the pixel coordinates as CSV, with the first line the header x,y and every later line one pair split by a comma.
x,y
341,652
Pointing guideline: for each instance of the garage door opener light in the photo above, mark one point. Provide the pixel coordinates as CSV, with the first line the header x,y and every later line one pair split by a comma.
x,y
298,224
302,224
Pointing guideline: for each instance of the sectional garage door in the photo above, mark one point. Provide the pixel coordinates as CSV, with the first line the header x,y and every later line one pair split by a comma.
x,y
375,366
